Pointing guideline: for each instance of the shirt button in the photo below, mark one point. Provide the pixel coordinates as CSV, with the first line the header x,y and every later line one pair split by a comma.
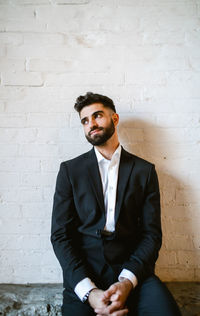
x,y
111,188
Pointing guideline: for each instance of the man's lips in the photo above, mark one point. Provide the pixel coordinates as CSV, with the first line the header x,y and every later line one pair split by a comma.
x,y
95,131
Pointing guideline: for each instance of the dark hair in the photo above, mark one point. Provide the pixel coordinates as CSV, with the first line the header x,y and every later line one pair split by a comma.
x,y
90,98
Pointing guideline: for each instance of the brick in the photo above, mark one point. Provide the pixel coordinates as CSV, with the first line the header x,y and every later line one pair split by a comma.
x,y
62,52
131,134
51,274
34,273
70,134
15,93
9,150
19,164
178,212
61,2
10,211
168,8
22,24
195,63
156,150
12,120
43,39
17,135
10,38
187,196
26,2
50,164
25,226
178,242
36,104
192,38
168,23
25,195
2,107
60,18
176,274
37,179
47,135
196,274
9,179
38,150
10,12
47,120
144,76
83,79
177,120
196,241
183,226
65,154
189,258
41,210
193,179
160,37
75,120
48,193
2,51
10,255
50,65
167,258
6,274
12,65
22,242
21,79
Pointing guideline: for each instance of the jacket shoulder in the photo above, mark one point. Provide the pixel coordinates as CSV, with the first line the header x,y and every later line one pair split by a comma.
x,y
77,161
138,160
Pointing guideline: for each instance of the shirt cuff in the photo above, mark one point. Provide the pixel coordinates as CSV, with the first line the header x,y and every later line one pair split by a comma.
x,y
128,275
83,287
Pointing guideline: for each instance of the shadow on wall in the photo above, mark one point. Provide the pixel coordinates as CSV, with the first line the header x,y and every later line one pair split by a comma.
x,y
177,259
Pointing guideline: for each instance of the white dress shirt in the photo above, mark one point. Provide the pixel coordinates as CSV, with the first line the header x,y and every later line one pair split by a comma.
x,y
109,176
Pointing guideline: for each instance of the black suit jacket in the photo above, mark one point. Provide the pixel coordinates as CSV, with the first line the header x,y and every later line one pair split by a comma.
x,y
78,219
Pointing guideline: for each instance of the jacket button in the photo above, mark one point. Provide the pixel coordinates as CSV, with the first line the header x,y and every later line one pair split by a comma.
x,y
98,232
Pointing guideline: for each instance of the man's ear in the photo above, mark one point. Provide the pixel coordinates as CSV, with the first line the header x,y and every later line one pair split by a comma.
x,y
115,118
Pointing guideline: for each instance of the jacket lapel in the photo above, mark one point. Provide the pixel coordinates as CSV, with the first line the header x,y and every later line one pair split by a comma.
x,y
95,178
125,168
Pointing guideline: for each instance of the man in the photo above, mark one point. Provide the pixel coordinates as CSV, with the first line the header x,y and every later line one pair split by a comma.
x,y
106,230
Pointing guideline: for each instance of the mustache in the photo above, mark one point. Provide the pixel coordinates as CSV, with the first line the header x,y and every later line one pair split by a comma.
x,y
94,129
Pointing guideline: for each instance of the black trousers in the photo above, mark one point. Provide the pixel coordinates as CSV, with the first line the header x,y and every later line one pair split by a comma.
x,y
151,298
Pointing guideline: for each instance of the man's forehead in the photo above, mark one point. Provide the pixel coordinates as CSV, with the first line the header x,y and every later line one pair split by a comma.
x,y
90,109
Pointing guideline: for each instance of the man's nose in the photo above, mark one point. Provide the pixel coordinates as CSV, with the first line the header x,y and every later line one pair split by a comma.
x,y
92,123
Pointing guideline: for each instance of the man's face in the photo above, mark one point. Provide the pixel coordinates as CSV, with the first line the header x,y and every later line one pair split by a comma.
x,y
97,122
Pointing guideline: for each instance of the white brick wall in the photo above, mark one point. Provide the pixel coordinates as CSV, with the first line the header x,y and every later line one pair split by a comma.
x,y
143,54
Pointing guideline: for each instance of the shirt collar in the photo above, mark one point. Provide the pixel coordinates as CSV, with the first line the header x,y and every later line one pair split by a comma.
x,y
116,155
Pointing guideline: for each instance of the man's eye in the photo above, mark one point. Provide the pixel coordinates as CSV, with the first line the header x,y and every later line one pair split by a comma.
x,y
85,122
98,115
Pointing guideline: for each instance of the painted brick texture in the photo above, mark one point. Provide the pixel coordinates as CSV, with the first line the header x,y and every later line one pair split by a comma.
x,y
143,54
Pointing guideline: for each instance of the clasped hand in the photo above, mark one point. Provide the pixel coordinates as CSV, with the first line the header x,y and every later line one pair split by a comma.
x,y
112,301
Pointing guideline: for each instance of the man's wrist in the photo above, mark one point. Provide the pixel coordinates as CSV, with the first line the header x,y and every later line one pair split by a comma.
x,y
86,296
128,275
128,283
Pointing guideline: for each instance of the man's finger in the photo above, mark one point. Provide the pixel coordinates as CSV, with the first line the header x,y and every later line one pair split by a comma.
x,y
121,312
111,290
114,306
114,297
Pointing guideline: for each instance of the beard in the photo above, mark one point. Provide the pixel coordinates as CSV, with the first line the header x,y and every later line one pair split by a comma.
x,y
100,139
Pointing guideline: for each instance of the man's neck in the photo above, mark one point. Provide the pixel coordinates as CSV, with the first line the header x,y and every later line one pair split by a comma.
x,y
108,149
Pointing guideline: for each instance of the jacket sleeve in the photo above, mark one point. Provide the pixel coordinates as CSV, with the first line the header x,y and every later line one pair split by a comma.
x,y
142,260
64,233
